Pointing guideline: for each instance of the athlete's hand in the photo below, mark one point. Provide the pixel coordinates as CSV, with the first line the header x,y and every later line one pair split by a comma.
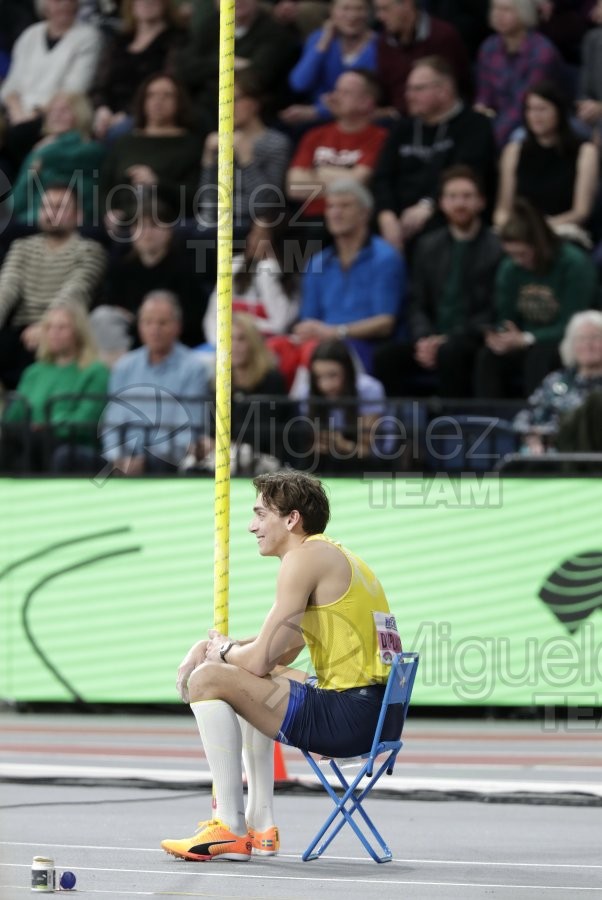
x,y
214,645
195,656
217,636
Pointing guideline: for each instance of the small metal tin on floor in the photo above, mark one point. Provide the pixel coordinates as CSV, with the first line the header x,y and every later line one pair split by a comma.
x,y
42,874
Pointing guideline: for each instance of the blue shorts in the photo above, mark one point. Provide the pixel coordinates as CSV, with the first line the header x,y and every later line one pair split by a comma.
x,y
336,723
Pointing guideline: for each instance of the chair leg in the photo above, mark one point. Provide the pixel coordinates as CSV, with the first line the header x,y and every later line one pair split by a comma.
x,y
356,804
346,812
309,852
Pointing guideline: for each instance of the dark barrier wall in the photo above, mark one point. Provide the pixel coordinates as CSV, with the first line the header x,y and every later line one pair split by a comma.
x,y
498,583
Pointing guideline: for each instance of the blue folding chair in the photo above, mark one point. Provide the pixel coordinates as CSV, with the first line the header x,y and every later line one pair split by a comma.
x,y
398,691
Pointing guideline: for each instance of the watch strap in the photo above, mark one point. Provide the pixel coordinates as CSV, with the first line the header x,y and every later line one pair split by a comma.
x,y
225,648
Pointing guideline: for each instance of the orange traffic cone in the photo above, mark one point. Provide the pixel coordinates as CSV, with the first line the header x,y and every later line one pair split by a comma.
x,y
280,773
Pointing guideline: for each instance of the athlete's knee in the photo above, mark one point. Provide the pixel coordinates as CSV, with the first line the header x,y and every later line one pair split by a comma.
x,y
208,682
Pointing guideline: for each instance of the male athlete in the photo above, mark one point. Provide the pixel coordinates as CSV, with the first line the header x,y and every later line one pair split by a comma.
x,y
243,697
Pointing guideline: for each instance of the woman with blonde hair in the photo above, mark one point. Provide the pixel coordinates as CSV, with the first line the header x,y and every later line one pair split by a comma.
x,y
55,411
66,154
257,421
253,366
56,54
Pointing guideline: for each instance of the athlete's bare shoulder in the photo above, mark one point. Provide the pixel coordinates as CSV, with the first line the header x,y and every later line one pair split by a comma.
x,y
323,556
303,567
310,553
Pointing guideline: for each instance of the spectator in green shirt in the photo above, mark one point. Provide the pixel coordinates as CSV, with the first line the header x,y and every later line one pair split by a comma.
x,y
451,297
539,286
65,155
53,417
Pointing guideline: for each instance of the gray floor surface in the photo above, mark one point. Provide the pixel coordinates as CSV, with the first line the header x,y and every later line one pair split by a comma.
x,y
109,837
98,793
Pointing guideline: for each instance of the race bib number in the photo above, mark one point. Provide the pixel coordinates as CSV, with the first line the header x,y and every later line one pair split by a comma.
x,y
389,642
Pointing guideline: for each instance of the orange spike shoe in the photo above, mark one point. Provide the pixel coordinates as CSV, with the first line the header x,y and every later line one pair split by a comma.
x,y
212,840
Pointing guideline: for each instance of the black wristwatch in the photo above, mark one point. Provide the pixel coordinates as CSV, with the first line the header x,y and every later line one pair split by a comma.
x,y
225,648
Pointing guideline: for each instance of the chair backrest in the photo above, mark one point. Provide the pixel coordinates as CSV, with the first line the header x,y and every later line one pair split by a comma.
x,y
398,691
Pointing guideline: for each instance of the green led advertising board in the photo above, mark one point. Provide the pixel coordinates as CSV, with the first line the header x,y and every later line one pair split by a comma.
x,y
497,583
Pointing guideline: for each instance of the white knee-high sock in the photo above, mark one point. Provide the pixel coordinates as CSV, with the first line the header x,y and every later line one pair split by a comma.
x,y
258,757
222,740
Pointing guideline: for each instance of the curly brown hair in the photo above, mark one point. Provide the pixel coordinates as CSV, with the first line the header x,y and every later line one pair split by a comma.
x,y
285,491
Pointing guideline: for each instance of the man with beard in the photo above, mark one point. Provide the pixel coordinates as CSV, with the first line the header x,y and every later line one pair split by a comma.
x,y
439,132
451,297
57,264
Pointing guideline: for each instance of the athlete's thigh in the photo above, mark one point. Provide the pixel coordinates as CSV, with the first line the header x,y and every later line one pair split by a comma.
x,y
261,701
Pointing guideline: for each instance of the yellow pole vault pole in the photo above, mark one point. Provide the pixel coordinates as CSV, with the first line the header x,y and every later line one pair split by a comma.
x,y
223,375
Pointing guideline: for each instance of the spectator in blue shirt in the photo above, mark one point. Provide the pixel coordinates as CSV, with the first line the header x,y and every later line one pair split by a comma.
x,y
344,42
158,394
353,290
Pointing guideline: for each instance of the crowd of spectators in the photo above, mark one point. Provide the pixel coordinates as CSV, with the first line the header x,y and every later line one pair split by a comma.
x,y
416,207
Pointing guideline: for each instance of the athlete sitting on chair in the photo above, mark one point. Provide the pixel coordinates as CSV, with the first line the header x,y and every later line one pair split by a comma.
x,y
243,697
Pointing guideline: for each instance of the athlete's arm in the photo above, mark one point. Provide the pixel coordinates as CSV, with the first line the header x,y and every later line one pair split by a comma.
x,y
280,639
